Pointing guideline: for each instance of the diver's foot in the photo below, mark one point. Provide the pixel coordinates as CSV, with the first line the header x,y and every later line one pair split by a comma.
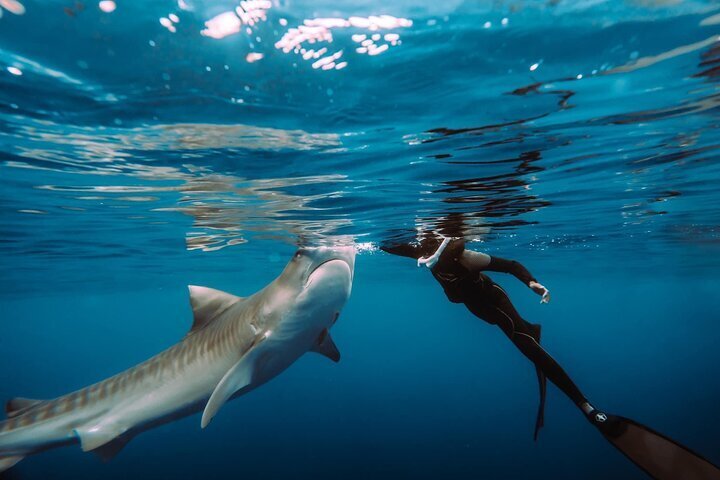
x,y
609,425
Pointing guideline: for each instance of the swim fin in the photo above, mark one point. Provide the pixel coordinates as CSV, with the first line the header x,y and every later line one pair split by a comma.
x,y
659,456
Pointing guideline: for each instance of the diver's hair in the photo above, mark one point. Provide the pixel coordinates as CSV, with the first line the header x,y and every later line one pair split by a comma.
x,y
455,247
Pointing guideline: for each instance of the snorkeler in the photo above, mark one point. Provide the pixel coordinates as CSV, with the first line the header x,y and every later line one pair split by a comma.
x,y
460,273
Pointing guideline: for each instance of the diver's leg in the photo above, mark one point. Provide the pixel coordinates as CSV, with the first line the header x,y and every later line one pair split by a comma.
x,y
481,303
659,456
520,333
513,325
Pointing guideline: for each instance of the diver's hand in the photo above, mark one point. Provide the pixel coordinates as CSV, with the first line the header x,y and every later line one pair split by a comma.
x,y
545,297
540,290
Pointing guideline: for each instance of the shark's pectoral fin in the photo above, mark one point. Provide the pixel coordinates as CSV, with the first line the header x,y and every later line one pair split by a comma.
x,y
207,304
16,406
95,436
240,375
326,347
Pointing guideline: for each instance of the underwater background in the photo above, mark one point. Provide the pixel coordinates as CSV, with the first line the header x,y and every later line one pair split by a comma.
x,y
148,145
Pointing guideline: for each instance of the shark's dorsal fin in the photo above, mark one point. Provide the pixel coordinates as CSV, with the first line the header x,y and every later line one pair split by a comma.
x,y
326,347
16,406
239,376
207,304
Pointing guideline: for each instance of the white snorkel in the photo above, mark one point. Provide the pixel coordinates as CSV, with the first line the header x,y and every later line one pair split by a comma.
x,y
430,261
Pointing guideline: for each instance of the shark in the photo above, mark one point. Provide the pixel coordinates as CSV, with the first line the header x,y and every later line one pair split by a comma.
x,y
235,344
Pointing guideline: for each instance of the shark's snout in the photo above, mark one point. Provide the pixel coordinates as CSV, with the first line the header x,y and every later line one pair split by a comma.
x,y
337,270
318,257
330,275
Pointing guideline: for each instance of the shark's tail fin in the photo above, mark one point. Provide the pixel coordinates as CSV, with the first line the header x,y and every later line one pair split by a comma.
x,y
659,456
7,462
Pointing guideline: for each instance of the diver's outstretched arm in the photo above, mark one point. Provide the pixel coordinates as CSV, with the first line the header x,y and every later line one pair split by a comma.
x,y
404,250
483,261
512,267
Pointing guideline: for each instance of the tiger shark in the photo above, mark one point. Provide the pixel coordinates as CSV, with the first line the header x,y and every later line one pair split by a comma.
x,y
234,345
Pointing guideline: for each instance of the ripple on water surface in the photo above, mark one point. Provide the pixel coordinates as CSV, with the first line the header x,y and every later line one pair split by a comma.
x,y
154,129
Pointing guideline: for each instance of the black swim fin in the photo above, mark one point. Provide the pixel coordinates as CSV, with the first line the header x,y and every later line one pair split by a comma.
x,y
659,456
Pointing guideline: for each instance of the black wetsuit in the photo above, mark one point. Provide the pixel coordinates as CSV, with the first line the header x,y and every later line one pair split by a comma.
x,y
488,301
461,276
468,284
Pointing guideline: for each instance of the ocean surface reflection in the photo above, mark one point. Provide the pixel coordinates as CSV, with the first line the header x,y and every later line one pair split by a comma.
x,y
228,122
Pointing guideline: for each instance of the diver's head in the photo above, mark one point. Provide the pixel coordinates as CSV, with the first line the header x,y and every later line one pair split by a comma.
x,y
455,247
432,242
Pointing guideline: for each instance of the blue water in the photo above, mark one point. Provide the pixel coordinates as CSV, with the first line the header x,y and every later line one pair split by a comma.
x,y
140,153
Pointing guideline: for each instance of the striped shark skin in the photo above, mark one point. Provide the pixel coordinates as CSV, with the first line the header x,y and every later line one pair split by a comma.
x,y
235,345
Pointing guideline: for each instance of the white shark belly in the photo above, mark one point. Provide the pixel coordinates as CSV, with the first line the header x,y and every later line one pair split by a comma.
x,y
283,348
